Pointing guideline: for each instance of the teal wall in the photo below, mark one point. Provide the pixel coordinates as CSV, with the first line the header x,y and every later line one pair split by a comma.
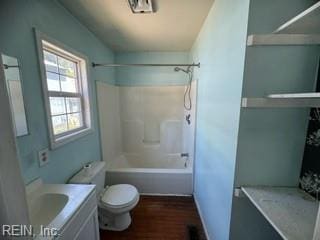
x,y
144,76
220,48
17,39
278,135
271,141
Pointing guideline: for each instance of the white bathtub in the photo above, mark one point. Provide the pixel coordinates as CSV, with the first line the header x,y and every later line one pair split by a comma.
x,y
156,179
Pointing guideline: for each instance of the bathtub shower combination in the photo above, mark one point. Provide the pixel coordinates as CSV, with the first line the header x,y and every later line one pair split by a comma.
x,y
148,137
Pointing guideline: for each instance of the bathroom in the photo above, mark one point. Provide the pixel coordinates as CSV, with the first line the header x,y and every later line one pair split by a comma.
x,y
140,119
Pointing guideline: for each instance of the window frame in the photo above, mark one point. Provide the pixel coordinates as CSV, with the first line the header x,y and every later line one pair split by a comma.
x,y
45,43
79,94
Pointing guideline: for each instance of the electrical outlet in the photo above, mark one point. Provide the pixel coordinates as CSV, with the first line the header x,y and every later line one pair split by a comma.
x,y
43,157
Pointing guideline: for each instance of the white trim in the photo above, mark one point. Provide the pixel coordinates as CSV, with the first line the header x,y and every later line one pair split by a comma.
x,y
71,137
23,97
86,90
201,217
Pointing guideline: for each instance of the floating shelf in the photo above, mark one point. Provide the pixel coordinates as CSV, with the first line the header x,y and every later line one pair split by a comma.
x,y
287,100
307,22
283,39
295,95
291,212
304,29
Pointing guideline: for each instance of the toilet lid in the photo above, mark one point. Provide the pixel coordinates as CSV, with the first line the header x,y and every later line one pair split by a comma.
x,y
119,195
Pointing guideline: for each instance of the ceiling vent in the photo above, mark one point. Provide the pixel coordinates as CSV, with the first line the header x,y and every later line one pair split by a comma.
x,y
141,6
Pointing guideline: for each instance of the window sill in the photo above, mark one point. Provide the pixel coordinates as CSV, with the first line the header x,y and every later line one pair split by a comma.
x,y
70,138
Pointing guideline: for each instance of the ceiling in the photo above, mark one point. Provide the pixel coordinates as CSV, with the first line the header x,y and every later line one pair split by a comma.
x,y
174,26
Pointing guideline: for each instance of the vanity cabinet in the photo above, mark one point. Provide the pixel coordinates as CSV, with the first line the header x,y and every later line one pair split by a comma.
x,y
84,224
89,228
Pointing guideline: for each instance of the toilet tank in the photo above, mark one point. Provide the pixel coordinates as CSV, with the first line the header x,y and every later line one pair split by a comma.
x,y
92,173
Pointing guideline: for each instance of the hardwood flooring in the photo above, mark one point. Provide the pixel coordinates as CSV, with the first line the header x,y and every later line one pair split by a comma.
x,y
161,218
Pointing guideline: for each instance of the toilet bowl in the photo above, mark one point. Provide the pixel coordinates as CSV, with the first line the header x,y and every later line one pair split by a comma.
x,y
114,206
114,202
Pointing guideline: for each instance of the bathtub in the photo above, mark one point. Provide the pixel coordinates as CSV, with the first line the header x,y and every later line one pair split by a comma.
x,y
171,177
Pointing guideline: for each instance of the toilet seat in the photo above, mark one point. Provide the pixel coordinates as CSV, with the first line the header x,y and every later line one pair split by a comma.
x,y
119,196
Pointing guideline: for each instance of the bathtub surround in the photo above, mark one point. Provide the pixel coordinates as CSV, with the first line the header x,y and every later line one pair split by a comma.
x,y
18,18
148,123
221,49
109,121
151,123
129,77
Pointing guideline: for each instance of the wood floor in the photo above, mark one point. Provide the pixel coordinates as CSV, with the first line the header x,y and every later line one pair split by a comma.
x,y
165,218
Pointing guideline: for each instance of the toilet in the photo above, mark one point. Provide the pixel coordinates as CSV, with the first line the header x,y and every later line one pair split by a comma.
x,y
114,202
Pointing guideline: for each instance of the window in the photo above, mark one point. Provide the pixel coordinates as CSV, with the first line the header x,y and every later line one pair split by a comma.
x,y
66,91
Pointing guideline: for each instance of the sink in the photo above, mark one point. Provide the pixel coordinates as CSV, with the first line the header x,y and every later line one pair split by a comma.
x,y
51,206
44,208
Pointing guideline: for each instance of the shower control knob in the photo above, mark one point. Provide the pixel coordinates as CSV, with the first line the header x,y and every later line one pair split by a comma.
x,y
188,119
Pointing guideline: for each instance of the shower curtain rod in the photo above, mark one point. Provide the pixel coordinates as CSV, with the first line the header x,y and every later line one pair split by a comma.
x,y
143,65
6,66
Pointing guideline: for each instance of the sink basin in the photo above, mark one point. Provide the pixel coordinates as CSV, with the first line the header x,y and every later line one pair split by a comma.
x,y
44,208
51,206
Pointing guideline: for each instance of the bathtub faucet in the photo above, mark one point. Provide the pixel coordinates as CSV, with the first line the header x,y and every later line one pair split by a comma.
x,y
188,119
184,154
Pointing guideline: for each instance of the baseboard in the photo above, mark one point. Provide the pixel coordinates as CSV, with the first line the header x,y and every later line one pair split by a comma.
x,y
166,194
201,217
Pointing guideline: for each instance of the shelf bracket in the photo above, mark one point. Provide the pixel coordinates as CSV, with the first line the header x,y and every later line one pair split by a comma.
x,y
239,193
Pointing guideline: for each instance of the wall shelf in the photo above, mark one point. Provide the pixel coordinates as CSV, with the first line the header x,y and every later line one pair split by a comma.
x,y
288,100
283,39
303,29
291,212
295,95
307,22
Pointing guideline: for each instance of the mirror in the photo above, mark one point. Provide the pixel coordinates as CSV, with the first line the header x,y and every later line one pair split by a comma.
x,y
14,88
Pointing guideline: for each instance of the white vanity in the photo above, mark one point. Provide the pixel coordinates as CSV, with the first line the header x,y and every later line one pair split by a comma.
x,y
67,209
